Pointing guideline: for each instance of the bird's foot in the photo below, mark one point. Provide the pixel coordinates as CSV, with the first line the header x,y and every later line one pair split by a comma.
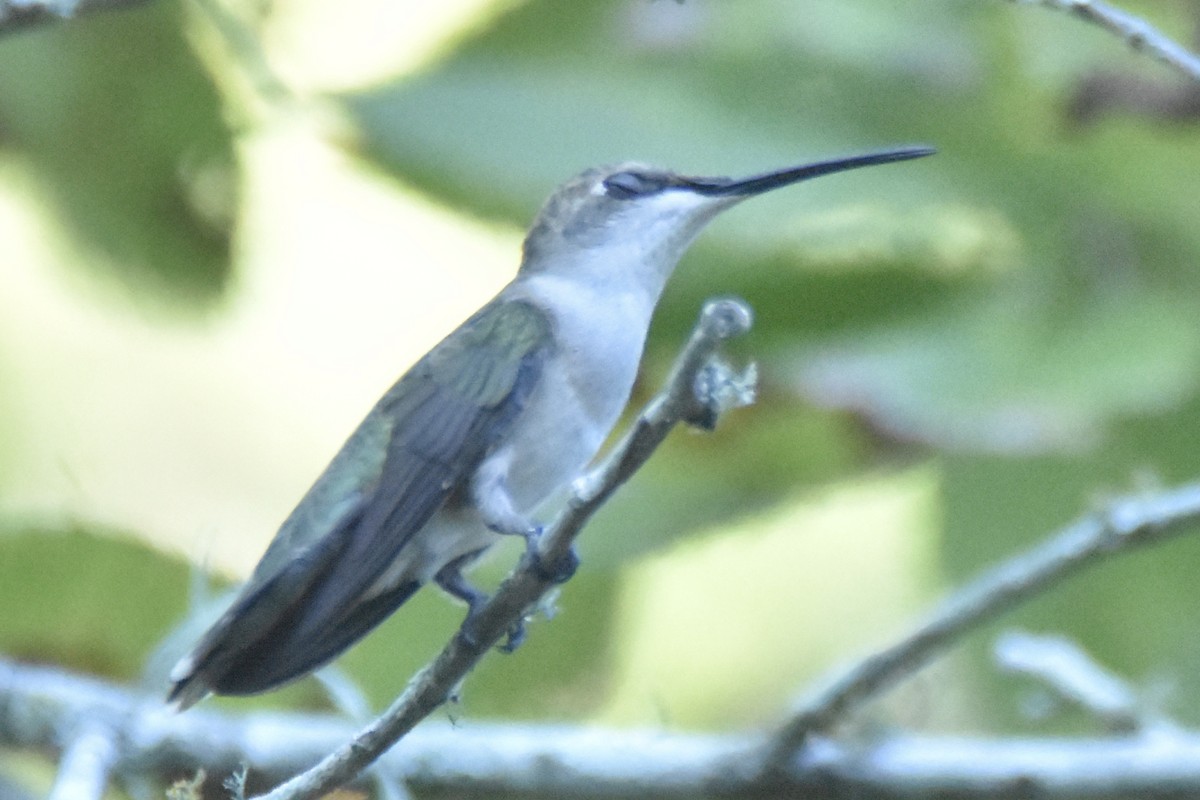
x,y
559,572
515,637
450,579
500,517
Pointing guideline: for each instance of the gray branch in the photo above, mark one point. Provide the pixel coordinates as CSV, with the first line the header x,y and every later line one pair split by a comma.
x,y
1125,525
529,582
87,762
1063,668
493,760
1134,31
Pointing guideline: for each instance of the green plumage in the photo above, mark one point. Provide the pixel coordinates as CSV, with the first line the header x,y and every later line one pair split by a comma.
x,y
416,448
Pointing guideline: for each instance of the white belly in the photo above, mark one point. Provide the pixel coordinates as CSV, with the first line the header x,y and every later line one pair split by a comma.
x,y
447,536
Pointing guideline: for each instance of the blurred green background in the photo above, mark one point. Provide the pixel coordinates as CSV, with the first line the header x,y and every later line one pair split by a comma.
x,y
227,228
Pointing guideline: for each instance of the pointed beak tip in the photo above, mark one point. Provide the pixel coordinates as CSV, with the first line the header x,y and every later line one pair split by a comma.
x,y
919,150
759,184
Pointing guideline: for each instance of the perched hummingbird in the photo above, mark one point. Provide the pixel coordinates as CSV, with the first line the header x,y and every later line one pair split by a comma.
x,y
504,412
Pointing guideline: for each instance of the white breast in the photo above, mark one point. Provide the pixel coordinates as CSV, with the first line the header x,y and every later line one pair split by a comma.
x,y
583,388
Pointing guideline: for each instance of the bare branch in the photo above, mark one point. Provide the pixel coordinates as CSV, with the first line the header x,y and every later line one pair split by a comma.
x,y
1134,31
1066,670
720,320
596,764
87,762
1125,525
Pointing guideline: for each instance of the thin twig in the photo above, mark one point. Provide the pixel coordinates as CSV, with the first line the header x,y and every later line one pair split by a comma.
x,y
87,762
1126,524
1134,31
1063,667
720,320
348,698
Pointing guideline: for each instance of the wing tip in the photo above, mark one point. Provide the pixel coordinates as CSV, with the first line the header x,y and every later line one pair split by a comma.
x,y
187,686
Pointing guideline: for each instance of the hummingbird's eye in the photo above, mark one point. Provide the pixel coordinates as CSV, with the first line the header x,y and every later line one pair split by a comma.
x,y
627,185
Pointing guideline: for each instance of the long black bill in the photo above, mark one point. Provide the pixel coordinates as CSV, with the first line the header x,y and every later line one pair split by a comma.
x,y
757,184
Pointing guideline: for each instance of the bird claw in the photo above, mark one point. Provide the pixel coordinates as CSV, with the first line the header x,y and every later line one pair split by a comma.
x,y
532,534
516,636
466,629
556,573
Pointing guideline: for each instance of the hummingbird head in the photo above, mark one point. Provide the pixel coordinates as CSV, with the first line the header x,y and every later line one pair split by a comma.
x,y
651,215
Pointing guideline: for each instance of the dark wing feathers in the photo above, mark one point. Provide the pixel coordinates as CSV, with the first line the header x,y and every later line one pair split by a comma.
x,y
261,669
303,604
476,390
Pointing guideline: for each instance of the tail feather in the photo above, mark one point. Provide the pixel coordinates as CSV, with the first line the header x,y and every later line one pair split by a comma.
x,y
280,656
187,687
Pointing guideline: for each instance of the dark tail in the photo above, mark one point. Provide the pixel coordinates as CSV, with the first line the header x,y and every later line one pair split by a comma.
x,y
282,656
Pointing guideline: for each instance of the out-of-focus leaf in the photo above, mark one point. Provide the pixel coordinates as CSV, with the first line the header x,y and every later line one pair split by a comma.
x,y
123,130
1008,378
86,601
10,789
724,629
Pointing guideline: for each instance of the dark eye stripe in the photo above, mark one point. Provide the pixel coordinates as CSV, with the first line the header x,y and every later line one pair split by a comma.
x,y
627,185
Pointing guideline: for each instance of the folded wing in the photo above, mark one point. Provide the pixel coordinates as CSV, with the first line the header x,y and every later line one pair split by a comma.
x,y
307,599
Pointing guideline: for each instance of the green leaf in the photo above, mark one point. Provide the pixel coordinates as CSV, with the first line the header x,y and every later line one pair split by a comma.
x,y
1008,377
86,601
123,131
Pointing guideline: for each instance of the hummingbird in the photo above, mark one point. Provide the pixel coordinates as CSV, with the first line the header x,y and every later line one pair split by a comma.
x,y
496,419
